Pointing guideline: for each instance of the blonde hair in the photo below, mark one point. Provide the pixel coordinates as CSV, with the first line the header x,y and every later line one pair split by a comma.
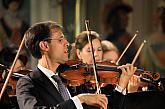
x,y
108,46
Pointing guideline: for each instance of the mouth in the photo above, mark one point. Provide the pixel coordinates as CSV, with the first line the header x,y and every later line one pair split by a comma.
x,y
98,60
66,51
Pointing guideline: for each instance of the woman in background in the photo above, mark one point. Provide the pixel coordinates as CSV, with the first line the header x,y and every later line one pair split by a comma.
x,y
110,51
83,53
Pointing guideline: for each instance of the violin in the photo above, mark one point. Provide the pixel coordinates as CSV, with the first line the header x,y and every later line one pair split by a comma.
x,y
74,73
79,73
11,87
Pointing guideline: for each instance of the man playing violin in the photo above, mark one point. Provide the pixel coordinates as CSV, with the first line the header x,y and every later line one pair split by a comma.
x,y
40,88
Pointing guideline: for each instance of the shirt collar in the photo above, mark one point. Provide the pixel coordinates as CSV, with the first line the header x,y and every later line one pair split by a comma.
x,y
46,71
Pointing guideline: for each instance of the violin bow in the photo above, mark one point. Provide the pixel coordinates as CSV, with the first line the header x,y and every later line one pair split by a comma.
x,y
92,53
138,52
12,67
117,62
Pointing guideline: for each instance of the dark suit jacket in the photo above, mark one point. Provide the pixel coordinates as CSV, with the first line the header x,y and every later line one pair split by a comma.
x,y
35,90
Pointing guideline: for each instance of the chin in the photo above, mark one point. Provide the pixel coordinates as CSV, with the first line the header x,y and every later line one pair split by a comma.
x,y
64,61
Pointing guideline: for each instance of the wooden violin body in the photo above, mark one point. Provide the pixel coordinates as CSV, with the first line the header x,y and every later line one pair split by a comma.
x,y
79,73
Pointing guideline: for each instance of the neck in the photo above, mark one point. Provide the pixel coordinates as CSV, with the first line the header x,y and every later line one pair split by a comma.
x,y
48,64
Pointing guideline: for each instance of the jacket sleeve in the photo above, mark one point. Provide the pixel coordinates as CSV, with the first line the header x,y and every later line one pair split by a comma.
x,y
116,100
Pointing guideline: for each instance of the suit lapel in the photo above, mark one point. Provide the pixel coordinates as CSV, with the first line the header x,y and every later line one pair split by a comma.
x,y
47,85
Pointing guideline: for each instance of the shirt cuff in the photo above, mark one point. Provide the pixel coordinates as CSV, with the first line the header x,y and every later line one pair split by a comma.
x,y
77,102
120,89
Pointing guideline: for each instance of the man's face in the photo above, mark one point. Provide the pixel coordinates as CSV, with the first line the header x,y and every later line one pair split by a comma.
x,y
85,54
58,52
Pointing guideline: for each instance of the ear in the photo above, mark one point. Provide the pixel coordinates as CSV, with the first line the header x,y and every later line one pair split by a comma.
x,y
43,45
78,52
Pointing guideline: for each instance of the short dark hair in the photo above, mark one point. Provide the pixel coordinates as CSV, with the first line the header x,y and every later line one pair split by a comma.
x,y
82,39
39,32
109,46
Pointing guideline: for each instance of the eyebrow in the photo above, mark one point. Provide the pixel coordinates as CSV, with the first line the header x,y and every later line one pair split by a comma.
x,y
96,48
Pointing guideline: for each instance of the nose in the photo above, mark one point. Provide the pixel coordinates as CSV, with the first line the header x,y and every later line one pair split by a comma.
x,y
95,53
66,42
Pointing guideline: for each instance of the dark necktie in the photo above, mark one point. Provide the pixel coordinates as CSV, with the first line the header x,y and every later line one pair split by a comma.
x,y
61,87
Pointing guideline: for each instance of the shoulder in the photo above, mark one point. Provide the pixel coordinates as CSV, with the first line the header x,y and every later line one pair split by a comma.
x,y
24,81
28,79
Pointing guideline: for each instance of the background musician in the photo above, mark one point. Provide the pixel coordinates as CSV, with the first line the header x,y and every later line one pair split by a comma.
x,y
7,56
110,51
83,51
